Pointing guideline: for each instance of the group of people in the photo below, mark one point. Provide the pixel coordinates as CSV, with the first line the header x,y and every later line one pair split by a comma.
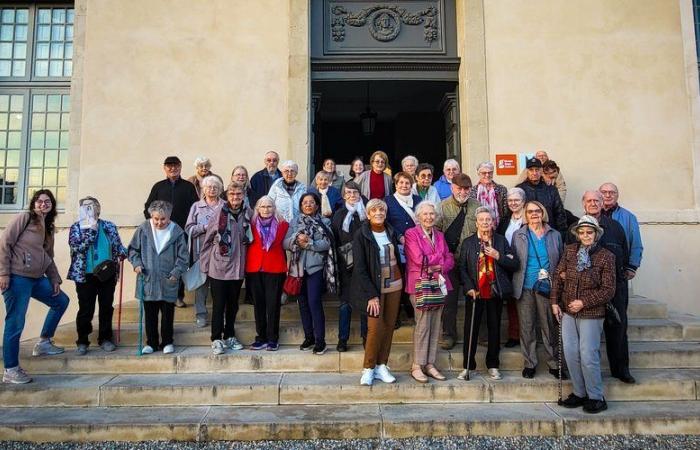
x,y
378,241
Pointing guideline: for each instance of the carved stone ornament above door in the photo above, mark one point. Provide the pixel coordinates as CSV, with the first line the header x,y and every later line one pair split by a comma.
x,y
384,21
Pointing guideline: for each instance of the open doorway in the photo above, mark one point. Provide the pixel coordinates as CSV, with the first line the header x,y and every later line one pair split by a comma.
x,y
412,118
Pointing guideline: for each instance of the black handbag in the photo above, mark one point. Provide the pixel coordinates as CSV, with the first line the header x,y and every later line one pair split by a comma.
x,y
542,286
612,317
106,270
345,253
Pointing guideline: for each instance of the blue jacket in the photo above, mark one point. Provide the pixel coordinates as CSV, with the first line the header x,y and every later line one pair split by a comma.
x,y
260,183
80,241
397,217
634,238
443,187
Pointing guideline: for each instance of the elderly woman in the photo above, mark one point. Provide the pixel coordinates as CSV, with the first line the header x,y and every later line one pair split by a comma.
x,y
485,264
345,223
444,185
539,247
375,183
158,252
95,252
266,269
427,256
200,215
401,205
240,175
336,178
27,269
507,227
287,191
409,165
357,166
489,193
202,169
377,282
585,280
423,187
223,259
330,196
310,241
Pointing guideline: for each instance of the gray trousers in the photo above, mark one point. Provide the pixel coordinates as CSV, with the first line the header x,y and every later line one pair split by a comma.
x,y
534,308
200,300
425,335
582,351
449,312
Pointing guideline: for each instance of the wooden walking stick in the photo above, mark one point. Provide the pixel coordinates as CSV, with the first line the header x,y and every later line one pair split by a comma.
x,y
561,349
471,332
119,310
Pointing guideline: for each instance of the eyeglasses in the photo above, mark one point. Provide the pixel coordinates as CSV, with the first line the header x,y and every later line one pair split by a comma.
x,y
425,176
585,232
378,161
351,192
43,202
514,200
486,174
271,159
608,192
533,211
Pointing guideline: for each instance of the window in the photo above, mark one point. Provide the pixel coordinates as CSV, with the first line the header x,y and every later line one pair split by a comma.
x,y
36,63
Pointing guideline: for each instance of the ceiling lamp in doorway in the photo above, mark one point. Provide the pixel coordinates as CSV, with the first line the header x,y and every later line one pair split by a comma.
x,y
368,118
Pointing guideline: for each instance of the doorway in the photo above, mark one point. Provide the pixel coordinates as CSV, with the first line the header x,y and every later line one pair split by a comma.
x,y
411,117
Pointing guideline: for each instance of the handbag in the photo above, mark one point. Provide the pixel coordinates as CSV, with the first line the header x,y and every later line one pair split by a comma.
x,y
428,291
292,284
542,286
612,317
107,269
345,253
194,278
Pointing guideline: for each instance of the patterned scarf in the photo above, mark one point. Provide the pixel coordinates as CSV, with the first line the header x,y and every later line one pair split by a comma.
x,y
487,197
486,275
583,258
312,227
226,217
268,230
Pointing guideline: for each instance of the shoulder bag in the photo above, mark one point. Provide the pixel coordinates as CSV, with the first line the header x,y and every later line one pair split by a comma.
x,y
292,284
543,285
429,293
194,278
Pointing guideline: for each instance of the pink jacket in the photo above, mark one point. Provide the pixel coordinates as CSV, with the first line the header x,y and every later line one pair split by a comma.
x,y
417,246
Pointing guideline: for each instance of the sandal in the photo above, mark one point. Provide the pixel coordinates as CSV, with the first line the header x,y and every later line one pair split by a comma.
x,y
434,373
418,375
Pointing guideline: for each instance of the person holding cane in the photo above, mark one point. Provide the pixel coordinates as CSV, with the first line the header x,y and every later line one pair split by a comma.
x,y
485,262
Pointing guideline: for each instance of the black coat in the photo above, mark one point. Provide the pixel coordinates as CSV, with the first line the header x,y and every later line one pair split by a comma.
x,y
180,194
549,197
367,272
507,263
341,237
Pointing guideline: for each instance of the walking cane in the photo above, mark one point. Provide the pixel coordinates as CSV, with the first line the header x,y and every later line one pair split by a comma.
x,y
140,282
471,332
561,349
119,310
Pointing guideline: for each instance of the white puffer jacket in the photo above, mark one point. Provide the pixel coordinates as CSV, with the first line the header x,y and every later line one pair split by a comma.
x,y
287,206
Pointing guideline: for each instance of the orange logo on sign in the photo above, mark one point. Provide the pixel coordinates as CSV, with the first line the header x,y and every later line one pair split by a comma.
x,y
507,164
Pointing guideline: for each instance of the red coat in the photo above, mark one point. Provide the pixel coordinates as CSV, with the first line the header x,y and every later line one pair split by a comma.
x,y
271,261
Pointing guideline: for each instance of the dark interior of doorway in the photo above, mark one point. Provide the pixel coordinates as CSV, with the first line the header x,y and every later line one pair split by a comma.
x,y
409,120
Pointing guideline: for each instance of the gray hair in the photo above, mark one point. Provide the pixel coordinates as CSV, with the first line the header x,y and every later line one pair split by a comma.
x,y
487,164
409,158
161,207
425,204
212,180
516,191
596,193
322,173
450,162
266,199
98,207
291,164
202,161
375,203
484,209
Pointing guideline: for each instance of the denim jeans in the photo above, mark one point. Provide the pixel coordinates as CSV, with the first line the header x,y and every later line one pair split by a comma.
x,y
16,303
582,352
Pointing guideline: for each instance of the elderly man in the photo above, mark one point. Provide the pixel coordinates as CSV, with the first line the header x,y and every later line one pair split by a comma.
x,y
614,240
629,223
458,222
181,194
536,189
409,165
556,179
287,191
262,180
444,184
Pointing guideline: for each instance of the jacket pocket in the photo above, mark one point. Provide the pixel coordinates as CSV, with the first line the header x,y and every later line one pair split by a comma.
x,y
170,288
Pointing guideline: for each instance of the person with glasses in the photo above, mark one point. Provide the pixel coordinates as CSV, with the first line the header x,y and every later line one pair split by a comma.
x,y
585,281
202,169
537,189
489,193
27,269
444,185
261,181
239,175
409,164
287,191
376,183
538,246
423,187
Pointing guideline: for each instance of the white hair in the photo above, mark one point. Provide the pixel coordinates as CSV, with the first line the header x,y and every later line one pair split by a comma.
x,y
212,180
516,191
425,204
409,158
202,161
450,162
484,209
486,164
291,164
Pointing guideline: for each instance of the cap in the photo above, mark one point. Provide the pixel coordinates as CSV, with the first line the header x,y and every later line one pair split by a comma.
x,y
172,160
533,162
590,222
462,180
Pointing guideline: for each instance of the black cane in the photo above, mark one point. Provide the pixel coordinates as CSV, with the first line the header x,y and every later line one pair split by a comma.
x,y
561,349
471,332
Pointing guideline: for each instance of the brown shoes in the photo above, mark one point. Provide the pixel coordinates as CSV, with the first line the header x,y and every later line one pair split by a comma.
x,y
434,373
418,375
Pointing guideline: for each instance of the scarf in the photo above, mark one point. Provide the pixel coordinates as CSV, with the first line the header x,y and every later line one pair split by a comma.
x,y
487,197
313,226
406,202
583,258
422,192
226,218
486,275
358,208
325,204
268,230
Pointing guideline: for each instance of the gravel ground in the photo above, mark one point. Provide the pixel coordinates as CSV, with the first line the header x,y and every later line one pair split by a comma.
x,y
450,443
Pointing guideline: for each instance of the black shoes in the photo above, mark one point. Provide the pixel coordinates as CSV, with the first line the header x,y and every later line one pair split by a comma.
x,y
594,406
528,373
342,345
320,348
573,401
307,345
555,374
512,343
626,378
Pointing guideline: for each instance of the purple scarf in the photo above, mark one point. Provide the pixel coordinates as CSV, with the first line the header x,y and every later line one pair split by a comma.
x,y
268,230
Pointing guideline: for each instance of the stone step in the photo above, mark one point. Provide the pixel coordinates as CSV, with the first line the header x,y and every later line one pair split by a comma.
x,y
292,332
199,359
324,389
639,308
218,423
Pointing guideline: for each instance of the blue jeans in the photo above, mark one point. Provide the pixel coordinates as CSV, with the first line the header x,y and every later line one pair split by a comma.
x,y
16,304
581,339
310,308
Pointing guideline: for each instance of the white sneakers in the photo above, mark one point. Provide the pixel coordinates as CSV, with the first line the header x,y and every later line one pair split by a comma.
x,y
463,375
495,374
233,343
367,377
381,372
147,350
16,375
168,349
218,347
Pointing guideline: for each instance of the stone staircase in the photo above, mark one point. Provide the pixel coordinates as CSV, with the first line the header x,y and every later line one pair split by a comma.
x,y
289,394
